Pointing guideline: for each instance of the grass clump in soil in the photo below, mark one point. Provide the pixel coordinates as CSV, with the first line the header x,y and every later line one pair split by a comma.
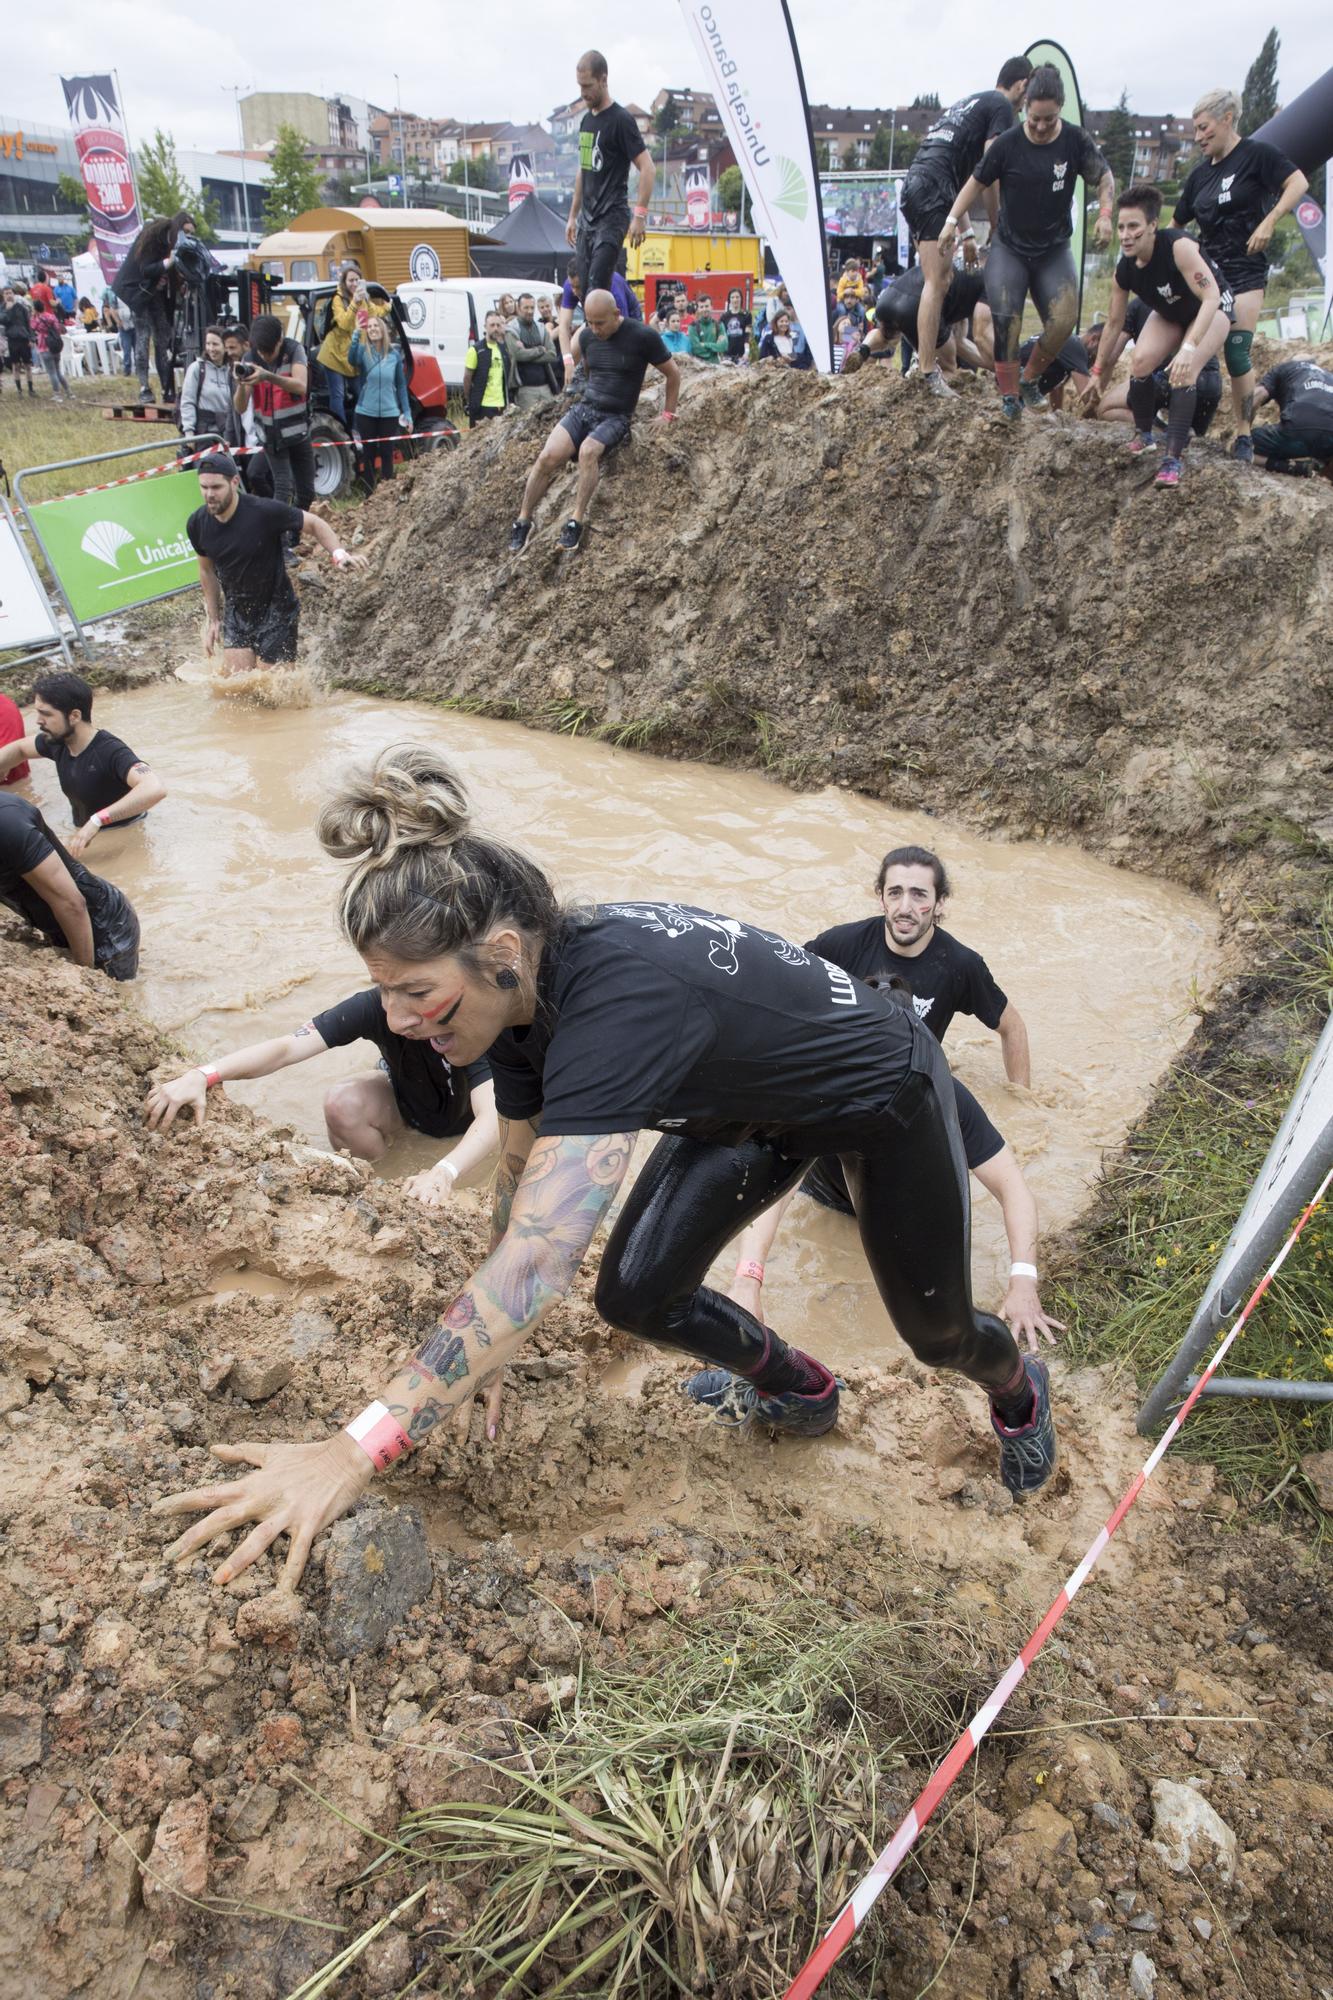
x,y
1166,1206
692,1823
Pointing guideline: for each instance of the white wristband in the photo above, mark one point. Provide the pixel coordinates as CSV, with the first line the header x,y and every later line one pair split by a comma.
x,y
1022,1270
448,1167
340,557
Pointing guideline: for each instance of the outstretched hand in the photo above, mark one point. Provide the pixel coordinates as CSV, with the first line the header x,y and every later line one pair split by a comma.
x,y
166,1100
297,1490
1022,1310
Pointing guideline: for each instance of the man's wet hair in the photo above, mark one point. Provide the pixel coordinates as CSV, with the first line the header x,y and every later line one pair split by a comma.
x,y
1142,194
66,692
1017,70
914,857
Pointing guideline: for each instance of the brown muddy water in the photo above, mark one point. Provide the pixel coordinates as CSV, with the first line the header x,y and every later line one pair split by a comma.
x,y
236,904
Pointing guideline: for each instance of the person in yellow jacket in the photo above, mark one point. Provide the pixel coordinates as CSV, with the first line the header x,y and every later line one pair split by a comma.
x,y
851,283
348,306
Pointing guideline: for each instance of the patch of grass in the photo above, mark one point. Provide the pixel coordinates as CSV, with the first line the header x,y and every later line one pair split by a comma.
x,y
37,430
634,734
1162,1215
691,1824
569,718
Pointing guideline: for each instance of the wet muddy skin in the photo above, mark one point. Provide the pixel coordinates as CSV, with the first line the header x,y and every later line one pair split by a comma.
x,y
236,903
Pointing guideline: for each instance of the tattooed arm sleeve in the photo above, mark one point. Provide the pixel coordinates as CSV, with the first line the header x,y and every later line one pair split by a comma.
x,y
561,1195
516,1141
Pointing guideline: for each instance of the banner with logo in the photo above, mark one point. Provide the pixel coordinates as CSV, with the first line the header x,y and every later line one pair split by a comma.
x,y
522,182
122,546
753,69
1314,228
1072,114
698,209
104,163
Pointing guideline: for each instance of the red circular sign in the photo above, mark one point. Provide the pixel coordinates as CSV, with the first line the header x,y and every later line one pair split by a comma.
x,y
1307,214
106,176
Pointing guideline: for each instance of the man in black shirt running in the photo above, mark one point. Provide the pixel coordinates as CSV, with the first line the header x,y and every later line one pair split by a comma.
x,y
610,143
241,545
106,783
1189,316
947,158
945,977
91,919
617,353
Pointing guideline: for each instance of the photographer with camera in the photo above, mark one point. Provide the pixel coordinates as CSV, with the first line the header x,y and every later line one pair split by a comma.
x,y
148,283
207,392
273,381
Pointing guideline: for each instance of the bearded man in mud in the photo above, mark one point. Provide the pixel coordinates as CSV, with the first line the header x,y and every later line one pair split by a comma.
x,y
1190,313
414,1089
946,158
106,783
617,353
1034,166
241,544
751,1056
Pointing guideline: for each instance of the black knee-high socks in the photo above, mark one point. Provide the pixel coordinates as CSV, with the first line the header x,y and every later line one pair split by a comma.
x,y
1142,398
1179,418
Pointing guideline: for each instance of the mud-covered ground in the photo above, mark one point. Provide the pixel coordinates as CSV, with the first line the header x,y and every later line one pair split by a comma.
x,y
161,1292
853,581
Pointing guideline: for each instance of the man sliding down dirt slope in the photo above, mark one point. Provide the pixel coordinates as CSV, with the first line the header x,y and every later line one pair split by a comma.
x,y
751,1055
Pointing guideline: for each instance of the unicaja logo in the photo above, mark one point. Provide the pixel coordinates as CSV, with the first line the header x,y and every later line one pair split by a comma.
x,y
104,542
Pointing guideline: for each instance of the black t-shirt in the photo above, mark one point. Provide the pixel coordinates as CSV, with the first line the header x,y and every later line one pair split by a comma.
x,y
947,978
658,1015
1161,284
616,367
898,304
1304,394
432,1095
15,320
247,550
94,779
1230,198
827,1184
1037,186
959,138
1071,360
25,842
609,144
736,326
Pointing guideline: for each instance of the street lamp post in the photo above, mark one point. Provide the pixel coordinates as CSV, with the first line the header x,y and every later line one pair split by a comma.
x,y
236,89
402,150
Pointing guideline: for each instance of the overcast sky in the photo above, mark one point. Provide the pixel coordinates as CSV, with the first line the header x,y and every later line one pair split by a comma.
x,y
177,64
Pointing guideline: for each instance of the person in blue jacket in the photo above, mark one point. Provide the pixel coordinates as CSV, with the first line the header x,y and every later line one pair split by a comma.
x,y
782,340
382,405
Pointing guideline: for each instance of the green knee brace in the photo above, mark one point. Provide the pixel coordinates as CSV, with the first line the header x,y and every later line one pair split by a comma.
x,y
1237,351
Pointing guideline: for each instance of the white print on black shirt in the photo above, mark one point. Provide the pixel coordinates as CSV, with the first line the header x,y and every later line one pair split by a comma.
x,y
673,922
1058,184
1225,194
922,1003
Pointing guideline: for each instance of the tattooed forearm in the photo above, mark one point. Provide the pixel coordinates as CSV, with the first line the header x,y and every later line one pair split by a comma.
x,y
560,1197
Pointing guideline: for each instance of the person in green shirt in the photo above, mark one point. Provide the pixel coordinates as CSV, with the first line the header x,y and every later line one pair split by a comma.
x,y
486,373
707,341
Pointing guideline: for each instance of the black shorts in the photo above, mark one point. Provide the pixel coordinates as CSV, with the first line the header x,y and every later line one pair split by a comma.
x,y
1244,274
608,427
116,939
20,351
927,196
426,1119
597,247
267,628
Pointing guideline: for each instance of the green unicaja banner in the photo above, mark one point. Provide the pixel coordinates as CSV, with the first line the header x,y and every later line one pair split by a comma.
x,y
123,545
1072,113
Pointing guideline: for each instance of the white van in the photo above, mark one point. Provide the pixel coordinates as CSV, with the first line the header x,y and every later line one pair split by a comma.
x,y
445,316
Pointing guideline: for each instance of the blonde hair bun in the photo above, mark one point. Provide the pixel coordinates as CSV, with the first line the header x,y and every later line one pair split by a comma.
x,y
410,797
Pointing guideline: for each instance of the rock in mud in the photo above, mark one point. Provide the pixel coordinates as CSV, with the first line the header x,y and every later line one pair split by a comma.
x,y
178,1863
1188,1834
378,1566
1142,1976
20,1734
272,1620
259,1376
1318,1469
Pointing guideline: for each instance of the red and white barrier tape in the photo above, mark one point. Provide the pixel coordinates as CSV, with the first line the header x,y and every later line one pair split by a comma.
x,y
234,451
867,1892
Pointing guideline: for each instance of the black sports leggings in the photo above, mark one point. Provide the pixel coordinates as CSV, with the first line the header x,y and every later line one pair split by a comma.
x,y
909,1189
1053,282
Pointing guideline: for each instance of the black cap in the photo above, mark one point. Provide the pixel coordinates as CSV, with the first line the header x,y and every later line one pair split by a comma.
x,y
220,462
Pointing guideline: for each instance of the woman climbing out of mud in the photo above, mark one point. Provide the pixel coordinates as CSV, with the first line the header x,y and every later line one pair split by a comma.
x,y
749,1054
1236,196
415,1089
1036,165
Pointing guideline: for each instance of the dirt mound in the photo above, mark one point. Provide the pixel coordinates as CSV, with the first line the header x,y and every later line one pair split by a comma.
x,y
851,581
191,1782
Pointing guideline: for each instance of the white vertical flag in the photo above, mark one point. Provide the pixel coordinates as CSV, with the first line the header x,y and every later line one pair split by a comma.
x,y
754,70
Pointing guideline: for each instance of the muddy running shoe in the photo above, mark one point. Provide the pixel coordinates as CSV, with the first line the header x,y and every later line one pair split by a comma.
x,y
1242,448
518,536
1031,394
736,1402
937,385
1140,442
1012,405
1294,468
1028,1456
1169,474
571,535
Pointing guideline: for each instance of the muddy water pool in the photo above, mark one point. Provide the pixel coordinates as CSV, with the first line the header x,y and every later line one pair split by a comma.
x,y
236,904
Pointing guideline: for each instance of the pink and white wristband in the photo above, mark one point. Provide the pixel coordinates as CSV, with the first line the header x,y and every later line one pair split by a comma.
x,y
380,1435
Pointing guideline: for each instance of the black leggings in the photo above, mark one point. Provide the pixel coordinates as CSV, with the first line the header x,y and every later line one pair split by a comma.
x,y
377,457
909,1189
1053,282
154,320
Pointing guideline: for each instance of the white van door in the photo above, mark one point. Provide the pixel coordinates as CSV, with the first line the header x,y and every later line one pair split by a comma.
x,y
440,318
